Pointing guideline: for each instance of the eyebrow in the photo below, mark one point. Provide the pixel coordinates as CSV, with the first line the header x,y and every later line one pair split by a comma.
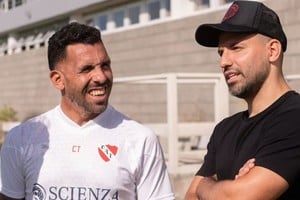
x,y
105,61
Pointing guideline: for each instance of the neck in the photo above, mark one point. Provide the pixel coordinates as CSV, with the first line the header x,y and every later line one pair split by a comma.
x,y
77,115
266,96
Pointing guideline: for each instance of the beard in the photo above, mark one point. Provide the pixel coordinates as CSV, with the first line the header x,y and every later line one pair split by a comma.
x,y
78,100
252,84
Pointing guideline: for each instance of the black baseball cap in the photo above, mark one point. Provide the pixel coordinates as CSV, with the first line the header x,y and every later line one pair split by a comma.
x,y
243,17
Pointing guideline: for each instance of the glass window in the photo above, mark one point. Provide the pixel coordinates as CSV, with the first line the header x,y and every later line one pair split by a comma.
x,y
204,2
200,4
118,18
10,4
134,14
2,5
226,1
168,5
153,9
90,22
18,2
101,22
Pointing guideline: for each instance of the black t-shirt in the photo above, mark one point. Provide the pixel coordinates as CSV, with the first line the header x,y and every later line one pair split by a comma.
x,y
272,137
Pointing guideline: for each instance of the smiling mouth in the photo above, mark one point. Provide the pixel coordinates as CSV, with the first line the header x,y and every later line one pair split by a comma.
x,y
97,92
231,76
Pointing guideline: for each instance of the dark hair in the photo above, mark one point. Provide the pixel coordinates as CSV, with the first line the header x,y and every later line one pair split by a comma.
x,y
70,34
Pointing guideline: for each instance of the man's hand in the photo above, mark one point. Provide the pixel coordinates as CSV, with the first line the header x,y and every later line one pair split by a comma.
x,y
246,168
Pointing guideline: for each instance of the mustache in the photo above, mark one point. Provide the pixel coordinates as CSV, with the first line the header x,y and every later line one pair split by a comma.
x,y
105,84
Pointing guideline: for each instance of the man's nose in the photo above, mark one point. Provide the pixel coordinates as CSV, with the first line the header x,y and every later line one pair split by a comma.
x,y
98,75
225,59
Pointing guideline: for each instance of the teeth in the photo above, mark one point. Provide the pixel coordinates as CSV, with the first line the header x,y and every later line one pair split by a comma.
x,y
97,92
230,76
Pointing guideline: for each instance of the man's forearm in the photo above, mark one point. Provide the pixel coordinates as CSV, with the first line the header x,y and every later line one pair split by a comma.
x,y
204,188
207,185
211,189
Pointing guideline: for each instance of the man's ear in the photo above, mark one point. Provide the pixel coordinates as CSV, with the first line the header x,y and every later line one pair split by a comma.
x,y
57,79
275,49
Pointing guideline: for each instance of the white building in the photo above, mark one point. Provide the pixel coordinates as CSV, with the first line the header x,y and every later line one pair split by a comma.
x,y
27,24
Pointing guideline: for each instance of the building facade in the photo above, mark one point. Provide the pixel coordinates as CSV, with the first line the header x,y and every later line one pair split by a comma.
x,y
142,37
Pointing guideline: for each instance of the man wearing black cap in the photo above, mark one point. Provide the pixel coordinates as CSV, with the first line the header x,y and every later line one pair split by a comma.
x,y
254,154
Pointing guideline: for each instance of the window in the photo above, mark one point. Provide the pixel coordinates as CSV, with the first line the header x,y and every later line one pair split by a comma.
x,y
2,5
131,14
222,2
10,4
101,22
168,6
153,9
201,3
18,2
134,14
90,22
205,2
118,18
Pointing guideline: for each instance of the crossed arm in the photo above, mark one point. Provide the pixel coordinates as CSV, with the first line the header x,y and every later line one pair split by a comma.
x,y
252,183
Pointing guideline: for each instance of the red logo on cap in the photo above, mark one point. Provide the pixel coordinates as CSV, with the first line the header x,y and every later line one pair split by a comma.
x,y
232,11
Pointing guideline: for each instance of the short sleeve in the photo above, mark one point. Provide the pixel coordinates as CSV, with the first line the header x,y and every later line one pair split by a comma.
x,y
208,167
12,178
154,182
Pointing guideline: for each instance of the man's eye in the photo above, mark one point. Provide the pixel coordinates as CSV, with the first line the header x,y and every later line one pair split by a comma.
x,y
87,68
105,66
236,47
220,52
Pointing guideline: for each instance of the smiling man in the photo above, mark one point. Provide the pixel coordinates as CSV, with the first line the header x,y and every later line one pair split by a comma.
x,y
83,148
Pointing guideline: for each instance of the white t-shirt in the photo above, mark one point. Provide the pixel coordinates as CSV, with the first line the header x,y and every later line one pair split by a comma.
x,y
111,157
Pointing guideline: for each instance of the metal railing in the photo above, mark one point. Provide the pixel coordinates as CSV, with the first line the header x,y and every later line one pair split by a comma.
x,y
173,130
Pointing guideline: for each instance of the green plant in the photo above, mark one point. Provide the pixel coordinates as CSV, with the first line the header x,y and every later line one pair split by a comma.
x,y
7,114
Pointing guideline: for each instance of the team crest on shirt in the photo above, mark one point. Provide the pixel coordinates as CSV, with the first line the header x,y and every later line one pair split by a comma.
x,y
107,152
